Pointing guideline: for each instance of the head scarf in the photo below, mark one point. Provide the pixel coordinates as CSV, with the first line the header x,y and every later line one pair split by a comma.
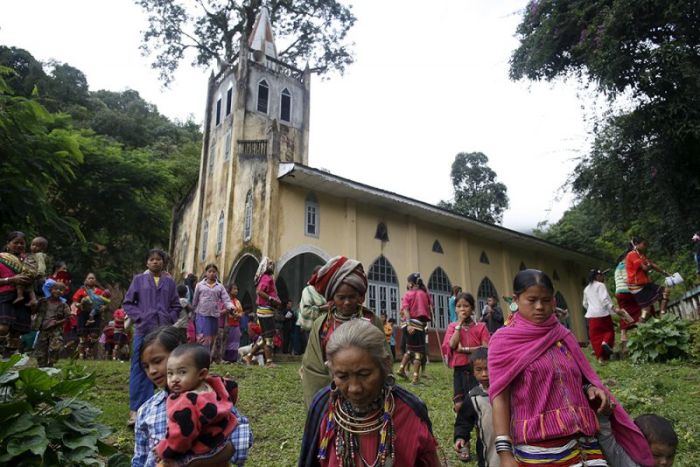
x,y
339,270
264,264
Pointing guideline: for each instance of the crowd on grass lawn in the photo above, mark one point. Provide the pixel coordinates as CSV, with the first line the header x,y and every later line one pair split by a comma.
x,y
521,381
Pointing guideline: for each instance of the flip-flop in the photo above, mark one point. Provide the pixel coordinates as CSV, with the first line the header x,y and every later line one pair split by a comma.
x,y
464,455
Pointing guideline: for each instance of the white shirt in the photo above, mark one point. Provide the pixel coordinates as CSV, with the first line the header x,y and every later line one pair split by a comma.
x,y
596,300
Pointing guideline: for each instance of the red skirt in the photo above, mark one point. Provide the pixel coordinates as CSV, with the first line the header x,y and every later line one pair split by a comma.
x,y
627,302
601,330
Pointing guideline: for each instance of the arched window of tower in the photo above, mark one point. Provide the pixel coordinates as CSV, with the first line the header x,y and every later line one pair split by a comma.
x,y
285,106
220,233
263,96
205,240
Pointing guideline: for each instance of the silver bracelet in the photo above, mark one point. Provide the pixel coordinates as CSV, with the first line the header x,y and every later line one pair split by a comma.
x,y
503,438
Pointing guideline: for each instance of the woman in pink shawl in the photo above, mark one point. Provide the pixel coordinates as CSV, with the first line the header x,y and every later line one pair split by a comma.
x,y
544,392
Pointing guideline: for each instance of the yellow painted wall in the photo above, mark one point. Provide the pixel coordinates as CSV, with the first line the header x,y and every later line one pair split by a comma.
x,y
346,226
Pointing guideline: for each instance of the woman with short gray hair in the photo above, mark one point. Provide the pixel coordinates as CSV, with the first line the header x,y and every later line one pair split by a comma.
x,y
364,412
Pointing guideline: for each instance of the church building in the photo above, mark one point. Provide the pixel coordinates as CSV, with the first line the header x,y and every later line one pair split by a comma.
x,y
257,196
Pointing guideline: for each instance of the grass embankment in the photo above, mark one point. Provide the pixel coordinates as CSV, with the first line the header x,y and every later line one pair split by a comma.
x,y
272,400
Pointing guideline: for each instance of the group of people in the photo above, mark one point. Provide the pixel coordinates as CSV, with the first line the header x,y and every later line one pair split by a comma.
x,y
39,311
635,295
522,380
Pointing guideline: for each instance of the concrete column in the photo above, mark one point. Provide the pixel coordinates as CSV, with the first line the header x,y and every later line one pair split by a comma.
x,y
465,265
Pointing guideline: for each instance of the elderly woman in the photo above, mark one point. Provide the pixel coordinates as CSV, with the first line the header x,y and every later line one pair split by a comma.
x,y
343,282
15,318
363,417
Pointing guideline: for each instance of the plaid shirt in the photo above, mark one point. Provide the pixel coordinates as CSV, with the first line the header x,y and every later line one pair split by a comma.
x,y
152,422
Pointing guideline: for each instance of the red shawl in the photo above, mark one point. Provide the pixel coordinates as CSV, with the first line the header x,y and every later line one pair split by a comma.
x,y
516,346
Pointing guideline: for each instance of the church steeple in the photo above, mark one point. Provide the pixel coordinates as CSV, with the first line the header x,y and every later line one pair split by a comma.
x,y
262,38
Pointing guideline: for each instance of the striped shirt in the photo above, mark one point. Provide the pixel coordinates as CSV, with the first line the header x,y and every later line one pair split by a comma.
x,y
621,278
152,423
547,399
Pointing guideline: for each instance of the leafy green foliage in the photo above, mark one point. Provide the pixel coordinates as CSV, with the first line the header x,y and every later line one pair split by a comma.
x,y
98,178
42,421
309,31
694,330
477,194
638,176
660,340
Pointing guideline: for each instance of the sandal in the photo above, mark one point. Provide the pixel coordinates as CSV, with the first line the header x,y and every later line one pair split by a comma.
x,y
464,455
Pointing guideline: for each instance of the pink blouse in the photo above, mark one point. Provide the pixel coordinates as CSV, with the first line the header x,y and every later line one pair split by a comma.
x,y
547,400
477,334
417,302
267,285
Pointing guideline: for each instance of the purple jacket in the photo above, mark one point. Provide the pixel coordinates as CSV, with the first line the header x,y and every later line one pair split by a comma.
x,y
149,306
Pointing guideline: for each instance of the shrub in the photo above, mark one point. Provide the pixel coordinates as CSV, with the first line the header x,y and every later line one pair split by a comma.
x,y
42,421
660,340
695,341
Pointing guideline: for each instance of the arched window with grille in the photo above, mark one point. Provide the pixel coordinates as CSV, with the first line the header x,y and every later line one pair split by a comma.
x,y
263,96
486,290
205,240
285,105
437,248
440,289
220,233
248,217
383,289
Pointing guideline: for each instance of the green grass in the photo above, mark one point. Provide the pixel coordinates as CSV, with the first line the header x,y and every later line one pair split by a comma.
x,y
272,399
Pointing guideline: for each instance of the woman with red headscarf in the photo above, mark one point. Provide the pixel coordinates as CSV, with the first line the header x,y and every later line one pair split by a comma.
x,y
343,282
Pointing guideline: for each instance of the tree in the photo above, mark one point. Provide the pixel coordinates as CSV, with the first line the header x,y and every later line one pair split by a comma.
x,y
641,172
311,31
476,192
97,176
38,152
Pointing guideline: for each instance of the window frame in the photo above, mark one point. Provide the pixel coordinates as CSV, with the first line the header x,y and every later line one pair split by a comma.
x,y
263,83
218,112
229,100
205,241
248,217
285,93
311,202
220,233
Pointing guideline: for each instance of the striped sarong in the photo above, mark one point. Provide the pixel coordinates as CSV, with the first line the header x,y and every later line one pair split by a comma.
x,y
563,452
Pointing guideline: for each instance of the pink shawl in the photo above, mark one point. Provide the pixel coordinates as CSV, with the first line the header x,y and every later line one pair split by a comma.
x,y
516,346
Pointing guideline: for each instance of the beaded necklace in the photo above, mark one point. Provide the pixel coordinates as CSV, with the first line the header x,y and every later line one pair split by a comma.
x,y
348,424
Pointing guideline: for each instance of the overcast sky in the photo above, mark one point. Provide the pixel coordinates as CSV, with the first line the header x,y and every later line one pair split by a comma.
x,y
430,80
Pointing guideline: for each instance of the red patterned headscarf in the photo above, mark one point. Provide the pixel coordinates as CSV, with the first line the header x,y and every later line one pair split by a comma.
x,y
339,270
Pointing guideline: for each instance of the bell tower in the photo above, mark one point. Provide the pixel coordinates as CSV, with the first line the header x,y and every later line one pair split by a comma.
x,y
257,115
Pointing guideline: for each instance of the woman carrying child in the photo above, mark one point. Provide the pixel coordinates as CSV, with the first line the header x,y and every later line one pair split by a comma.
x,y
90,300
15,318
152,420
544,391
209,302
462,338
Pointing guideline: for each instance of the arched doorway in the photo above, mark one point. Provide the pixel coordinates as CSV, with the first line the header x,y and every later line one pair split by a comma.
x,y
243,275
440,289
383,289
294,275
486,290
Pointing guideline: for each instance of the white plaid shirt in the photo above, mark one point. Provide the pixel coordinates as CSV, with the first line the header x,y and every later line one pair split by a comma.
x,y
152,422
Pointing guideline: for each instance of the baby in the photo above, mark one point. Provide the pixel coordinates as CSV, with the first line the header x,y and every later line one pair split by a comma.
x,y
33,265
199,407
